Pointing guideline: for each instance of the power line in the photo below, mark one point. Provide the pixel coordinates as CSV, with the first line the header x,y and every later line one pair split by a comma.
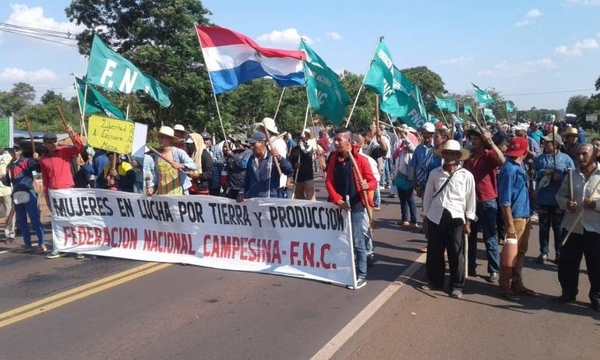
x,y
38,37
550,92
39,30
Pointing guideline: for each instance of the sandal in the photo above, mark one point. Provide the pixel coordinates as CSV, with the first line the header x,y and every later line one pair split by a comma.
x,y
402,223
424,249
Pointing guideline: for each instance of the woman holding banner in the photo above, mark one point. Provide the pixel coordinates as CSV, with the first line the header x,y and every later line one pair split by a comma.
x,y
171,163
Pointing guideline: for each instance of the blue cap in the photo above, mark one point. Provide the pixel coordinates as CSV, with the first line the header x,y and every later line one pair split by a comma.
x,y
257,136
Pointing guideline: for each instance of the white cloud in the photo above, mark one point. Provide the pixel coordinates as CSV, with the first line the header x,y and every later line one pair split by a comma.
x,y
459,61
15,75
533,14
334,36
290,37
506,69
523,23
577,48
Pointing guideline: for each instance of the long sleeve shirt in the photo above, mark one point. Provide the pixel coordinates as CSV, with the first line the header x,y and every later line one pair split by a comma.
x,y
56,168
20,174
546,195
262,179
581,189
458,196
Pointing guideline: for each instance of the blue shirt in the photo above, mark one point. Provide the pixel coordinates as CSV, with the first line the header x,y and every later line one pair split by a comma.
x,y
547,195
20,174
534,146
100,161
423,163
513,189
535,135
262,180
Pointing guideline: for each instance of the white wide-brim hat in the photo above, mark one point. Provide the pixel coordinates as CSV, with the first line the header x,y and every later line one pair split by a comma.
x,y
167,131
453,145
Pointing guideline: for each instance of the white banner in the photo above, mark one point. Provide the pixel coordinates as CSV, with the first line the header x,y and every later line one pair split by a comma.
x,y
297,238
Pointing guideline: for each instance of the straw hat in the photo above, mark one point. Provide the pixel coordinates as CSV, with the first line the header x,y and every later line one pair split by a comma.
x,y
553,137
570,131
270,125
179,127
453,145
166,131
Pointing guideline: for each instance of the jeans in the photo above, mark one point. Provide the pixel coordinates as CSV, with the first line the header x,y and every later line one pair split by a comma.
x,y
385,177
407,203
487,213
358,241
30,208
550,217
367,233
377,198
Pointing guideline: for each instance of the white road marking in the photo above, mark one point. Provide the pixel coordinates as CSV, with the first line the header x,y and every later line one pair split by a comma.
x,y
359,320
3,251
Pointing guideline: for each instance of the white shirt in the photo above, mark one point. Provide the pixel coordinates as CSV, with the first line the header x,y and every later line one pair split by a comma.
x,y
5,159
458,196
373,165
281,147
590,220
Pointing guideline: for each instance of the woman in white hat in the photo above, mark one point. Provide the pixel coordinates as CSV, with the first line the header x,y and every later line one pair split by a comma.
x,y
169,175
194,144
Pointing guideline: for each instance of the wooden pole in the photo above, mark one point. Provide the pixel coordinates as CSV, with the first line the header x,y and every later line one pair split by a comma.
x,y
64,122
160,155
360,179
279,104
579,216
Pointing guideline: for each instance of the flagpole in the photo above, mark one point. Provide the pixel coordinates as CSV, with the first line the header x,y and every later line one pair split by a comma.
x,y
82,128
127,113
306,116
279,104
361,84
211,85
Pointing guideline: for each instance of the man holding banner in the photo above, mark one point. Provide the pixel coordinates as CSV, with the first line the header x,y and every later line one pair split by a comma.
x,y
349,177
56,170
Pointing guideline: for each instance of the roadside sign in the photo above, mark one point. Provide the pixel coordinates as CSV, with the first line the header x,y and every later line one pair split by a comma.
x,y
591,117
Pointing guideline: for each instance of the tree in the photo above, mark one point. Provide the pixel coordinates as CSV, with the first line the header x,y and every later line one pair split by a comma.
x,y
577,104
20,96
50,96
158,36
429,82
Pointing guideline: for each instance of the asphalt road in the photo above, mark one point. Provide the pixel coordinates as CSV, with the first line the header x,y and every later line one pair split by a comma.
x,y
188,312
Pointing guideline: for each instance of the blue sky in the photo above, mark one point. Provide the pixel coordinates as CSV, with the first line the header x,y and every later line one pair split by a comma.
x,y
536,53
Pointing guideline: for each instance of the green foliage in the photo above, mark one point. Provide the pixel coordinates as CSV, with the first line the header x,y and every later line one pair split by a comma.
x,y
160,39
13,101
429,82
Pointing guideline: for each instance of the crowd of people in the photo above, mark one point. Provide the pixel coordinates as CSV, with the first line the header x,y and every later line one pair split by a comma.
x,y
495,180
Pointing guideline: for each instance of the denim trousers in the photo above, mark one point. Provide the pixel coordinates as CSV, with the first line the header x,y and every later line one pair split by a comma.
x,y
30,209
407,203
550,217
487,213
358,242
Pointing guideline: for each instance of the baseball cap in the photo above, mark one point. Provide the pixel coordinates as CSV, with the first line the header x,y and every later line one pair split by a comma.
x,y
428,127
49,137
517,147
257,136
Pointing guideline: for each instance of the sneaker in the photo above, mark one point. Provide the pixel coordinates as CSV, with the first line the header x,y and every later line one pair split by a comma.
x,y
493,278
79,256
361,282
456,294
542,258
10,240
557,260
53,255
43,249
27,248
370,260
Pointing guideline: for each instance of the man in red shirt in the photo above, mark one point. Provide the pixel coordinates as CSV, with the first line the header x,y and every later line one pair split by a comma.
x,y
343,182
483,164
56,170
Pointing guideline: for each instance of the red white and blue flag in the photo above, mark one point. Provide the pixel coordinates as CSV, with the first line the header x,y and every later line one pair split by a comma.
x,y
233,59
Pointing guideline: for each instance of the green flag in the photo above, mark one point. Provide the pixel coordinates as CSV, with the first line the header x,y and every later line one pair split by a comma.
x,y
483,97
95,102
446,104
489,113
467,109
115,73
380,79
509,106
409,97
323,88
